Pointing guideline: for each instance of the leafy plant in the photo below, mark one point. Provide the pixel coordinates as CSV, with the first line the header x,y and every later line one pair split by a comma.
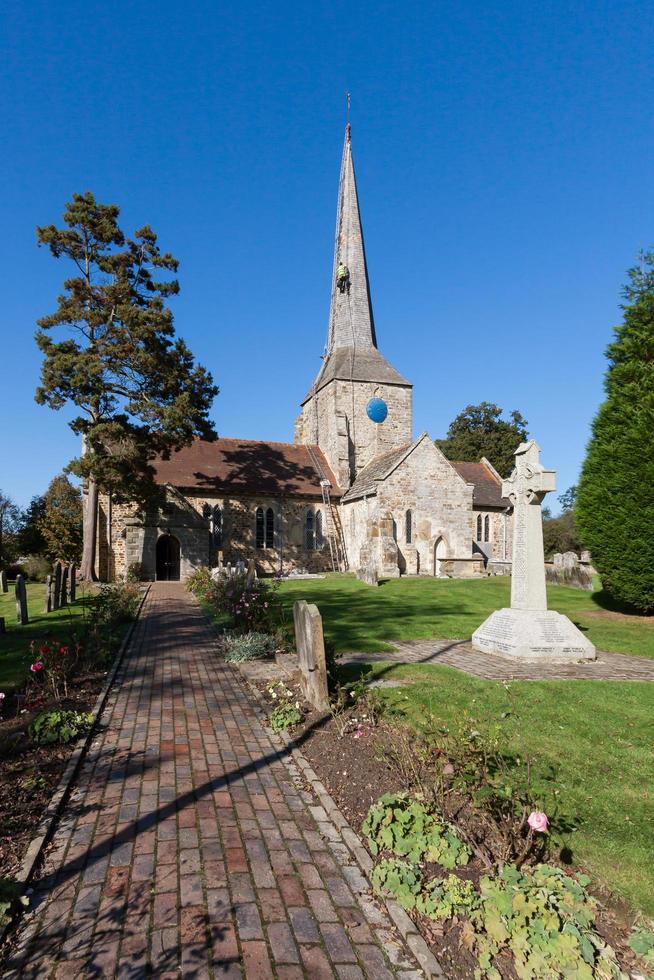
x,y
642,942
137,572
447,898
251,606
408,828
285,716
10,896
59,726
397,878
240,647
545,918
199,581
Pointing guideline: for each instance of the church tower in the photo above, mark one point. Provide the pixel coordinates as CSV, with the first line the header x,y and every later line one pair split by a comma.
x,y
334,413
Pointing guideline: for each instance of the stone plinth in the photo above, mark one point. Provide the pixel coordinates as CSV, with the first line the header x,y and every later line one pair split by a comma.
x,y
533,635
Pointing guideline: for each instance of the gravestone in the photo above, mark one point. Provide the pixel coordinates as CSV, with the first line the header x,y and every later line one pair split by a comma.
x,y
310,645
585,558
368,574
63,595
72,582
21,601
3,581
251,575
528,630
56,591
49,583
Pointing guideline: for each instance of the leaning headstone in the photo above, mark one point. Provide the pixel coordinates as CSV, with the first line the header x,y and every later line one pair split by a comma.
x,y
310,646
56,592
368,574
528,630
72,582
21,601
63,595
3,581
251,575
557,560
47,605
570,560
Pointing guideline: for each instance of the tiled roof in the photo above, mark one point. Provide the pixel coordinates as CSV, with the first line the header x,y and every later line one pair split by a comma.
x,y
356,364
377,469
487,487
232,466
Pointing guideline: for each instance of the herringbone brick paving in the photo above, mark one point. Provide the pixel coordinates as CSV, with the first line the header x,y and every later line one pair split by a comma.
x,y
190,847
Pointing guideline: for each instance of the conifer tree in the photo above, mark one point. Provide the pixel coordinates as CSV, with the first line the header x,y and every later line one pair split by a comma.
x,y
137,389
615,497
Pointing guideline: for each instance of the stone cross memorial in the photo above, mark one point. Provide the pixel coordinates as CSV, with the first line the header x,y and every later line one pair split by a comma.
x,y
21,601
529,630
3,582
310,645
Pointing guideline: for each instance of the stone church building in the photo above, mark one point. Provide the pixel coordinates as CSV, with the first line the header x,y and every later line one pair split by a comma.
x,y
354,491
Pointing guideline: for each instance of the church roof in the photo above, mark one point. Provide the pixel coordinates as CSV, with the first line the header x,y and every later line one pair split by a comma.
x,y
351,338
376,470
233,466
486,482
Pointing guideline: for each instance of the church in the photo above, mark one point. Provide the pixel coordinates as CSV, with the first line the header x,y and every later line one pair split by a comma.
x,y
355,491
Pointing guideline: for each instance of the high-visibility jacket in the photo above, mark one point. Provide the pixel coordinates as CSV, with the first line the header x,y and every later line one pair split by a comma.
x,y
342,272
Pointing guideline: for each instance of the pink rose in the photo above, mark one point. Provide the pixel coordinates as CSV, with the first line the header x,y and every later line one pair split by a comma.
x,y
538,821
360,732
37,666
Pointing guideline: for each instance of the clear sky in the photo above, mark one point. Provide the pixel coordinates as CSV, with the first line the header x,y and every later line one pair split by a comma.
x,y
504,161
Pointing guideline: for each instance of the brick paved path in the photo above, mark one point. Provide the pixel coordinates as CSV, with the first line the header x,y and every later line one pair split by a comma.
x,y
493,667
190,847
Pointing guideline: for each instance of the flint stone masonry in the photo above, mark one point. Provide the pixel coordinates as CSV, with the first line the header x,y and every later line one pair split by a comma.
x,y
528,630
310,644
22,617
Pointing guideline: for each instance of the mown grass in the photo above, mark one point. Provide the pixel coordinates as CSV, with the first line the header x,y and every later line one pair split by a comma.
x,y
590,743
361,617
15,644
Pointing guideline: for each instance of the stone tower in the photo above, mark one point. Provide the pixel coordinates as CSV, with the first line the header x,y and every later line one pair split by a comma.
x,y
333,412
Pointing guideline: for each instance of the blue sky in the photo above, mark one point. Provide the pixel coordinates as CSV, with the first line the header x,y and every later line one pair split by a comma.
x,y
504,160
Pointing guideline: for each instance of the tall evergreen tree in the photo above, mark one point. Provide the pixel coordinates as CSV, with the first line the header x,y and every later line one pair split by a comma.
x,y
62,521
480,430
615,497
30,537
138,390
9,525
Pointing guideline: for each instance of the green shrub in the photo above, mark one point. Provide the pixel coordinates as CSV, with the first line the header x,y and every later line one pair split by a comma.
x,y
115,604
615,505
11,895
137,572
404,825
59,726
37,568
199,582
253,607
447,898
285,716
240,647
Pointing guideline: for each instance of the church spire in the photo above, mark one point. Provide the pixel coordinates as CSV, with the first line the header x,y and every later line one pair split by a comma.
x,y
351,322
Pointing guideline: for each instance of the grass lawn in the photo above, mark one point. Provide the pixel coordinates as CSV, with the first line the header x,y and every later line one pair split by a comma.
x,y
590,741
15,644
591,747
360,617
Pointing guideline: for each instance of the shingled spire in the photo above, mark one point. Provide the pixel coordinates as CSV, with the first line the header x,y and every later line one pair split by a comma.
x,y
351,352
351,323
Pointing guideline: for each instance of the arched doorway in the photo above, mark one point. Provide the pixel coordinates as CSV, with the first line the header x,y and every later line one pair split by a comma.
x,y
167,559
440,553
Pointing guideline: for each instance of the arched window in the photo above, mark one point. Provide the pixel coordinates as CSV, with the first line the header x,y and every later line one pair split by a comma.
x,y
320,541
270,528
310,531
217,526
408,528
206,511
479,528
260,533
487,528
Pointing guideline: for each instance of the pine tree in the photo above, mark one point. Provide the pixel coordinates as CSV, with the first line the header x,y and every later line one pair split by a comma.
x,y
138,390
30,537
480,430
62,521
615,498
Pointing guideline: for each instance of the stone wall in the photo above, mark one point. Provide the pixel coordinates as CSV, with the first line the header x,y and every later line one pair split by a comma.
x,y
124,538
500,543
335,419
